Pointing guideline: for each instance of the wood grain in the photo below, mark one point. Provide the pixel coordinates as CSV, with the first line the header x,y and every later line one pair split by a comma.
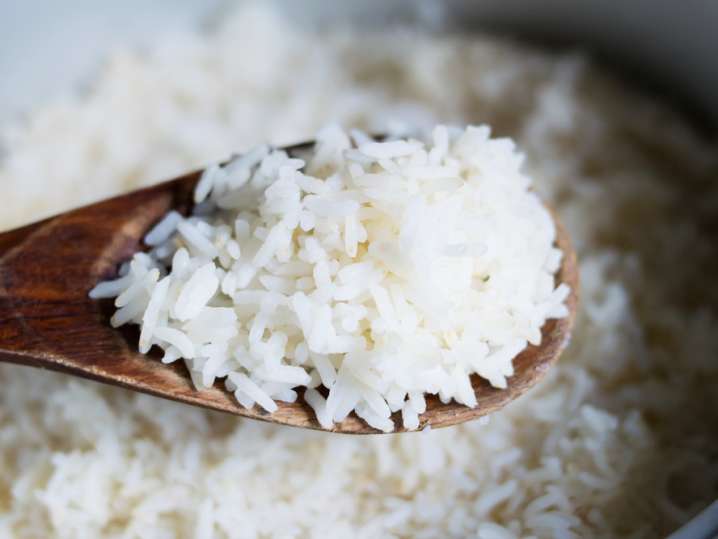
x,y
48,321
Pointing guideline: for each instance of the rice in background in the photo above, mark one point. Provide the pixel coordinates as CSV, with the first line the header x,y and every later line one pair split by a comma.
x,y
618,441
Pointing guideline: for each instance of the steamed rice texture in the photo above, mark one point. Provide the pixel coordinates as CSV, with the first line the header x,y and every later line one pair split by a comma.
x,y
381,271
618,441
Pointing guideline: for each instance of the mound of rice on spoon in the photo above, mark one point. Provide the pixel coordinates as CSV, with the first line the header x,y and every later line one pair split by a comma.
x,y
369,273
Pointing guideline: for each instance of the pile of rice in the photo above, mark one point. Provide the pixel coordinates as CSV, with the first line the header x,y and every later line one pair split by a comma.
x,y
618,441
381,271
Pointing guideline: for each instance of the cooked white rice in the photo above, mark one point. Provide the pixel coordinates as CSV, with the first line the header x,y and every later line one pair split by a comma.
x,y
619,441
397,268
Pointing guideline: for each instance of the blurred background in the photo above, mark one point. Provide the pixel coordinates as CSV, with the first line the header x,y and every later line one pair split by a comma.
x,y
47,46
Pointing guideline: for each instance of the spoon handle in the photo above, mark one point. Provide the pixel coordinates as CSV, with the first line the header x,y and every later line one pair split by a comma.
x,y
47,269
11,328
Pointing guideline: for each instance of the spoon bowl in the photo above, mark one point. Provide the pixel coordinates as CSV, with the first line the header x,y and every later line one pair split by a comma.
x,y
48,321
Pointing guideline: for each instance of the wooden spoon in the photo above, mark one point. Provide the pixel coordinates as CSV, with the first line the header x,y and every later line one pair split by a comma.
x,y
47,319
